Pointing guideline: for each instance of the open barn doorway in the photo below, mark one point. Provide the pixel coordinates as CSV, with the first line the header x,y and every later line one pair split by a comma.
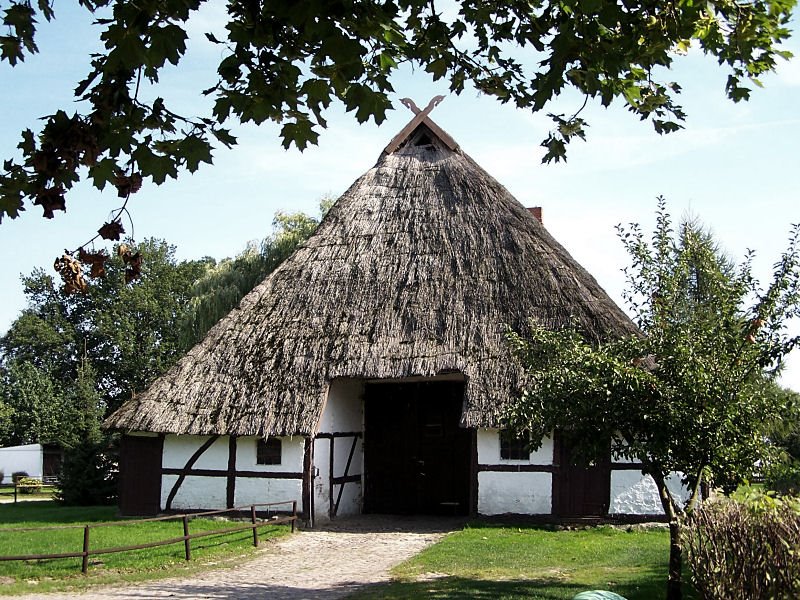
x,y
416,457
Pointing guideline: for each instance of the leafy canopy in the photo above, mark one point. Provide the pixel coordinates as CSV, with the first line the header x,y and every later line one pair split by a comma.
x,y
69,359
691,393
287,62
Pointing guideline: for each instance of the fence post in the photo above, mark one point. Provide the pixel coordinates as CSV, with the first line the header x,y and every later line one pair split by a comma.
x,y
294,513
255,529
187,544
85,564
15,492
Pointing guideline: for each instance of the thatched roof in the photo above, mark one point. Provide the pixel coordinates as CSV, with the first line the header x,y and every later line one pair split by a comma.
x,y
416,271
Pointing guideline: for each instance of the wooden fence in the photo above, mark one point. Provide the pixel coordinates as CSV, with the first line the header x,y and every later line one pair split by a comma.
x,y
186,538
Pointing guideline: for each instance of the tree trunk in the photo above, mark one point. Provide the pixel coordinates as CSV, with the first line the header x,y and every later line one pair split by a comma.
x,y
674,591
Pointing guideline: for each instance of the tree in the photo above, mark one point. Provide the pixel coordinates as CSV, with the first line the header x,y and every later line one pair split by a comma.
x,y
783,476
221,288
39,411
690,394
68,359
113,340
288,63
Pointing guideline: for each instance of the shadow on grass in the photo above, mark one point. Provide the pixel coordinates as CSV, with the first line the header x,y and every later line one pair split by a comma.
x,y
460,588
50,512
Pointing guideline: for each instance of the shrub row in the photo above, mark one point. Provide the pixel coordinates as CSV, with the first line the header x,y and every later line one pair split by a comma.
x,y
745,547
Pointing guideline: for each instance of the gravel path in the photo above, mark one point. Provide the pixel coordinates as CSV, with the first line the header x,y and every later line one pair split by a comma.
x,y
319,564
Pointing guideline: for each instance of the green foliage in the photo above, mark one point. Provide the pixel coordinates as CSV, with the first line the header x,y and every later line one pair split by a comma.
x,y
287,63
89,473
221,288
689,395
745,547
38,408
783,475
114,340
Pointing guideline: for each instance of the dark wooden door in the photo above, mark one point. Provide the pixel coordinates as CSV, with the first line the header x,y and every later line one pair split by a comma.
x,y
417,458
52,460
140,475
580,489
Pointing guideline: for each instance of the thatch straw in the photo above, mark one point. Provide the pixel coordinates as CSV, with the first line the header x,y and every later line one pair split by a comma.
x,y
416,271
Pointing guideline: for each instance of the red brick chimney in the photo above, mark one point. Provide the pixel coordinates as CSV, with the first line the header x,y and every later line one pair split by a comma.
x,y
536,211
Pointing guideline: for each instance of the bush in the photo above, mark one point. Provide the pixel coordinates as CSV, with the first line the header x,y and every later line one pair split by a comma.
x,y
17,475
745,547
29,485
89,474
784,478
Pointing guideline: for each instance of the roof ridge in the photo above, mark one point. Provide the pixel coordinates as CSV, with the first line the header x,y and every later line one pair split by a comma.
x,y
420,118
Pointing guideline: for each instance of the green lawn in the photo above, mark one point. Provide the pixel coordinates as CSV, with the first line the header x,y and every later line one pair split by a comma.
x,y
46,575
45,491
501,562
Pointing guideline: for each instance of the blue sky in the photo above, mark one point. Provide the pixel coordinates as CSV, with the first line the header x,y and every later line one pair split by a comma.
x,y
735,166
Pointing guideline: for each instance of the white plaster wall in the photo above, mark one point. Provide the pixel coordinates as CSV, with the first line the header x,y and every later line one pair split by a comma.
x,y
489,450
252,490
633,493
343,412
26,458
344,408
292,449
514,493
195,492
178,449
211,492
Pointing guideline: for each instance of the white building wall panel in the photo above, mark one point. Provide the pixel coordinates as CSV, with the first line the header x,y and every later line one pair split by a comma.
x,y
27,458
292,449
514,493
633,493
178,449
206,492
489,450
344,407
343,413
195,492
252,490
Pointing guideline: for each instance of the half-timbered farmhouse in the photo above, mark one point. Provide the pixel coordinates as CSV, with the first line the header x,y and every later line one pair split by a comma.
x,y
369,372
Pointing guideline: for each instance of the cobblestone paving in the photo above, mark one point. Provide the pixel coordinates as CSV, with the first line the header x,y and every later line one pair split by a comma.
x,y
319,564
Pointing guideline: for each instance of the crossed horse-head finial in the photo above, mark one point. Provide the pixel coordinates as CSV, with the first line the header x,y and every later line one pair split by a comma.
x,y
410,105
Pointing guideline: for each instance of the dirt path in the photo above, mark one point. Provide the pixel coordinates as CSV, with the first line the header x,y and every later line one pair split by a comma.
x,y
316,565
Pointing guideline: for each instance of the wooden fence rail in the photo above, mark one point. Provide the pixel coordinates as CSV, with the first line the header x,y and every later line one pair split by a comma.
x,y
186,538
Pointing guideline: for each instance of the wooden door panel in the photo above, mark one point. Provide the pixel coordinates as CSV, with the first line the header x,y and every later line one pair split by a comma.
x,y
140,475
581,490
416,457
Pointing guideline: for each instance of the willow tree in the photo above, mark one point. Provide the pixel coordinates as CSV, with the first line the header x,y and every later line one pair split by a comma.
x,y
686,396
220,289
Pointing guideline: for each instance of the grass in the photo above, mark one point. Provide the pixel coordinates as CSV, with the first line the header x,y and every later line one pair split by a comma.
x,y
138,565
501,562
45,491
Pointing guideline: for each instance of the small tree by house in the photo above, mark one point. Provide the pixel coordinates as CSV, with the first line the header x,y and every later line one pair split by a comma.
x,y
689,395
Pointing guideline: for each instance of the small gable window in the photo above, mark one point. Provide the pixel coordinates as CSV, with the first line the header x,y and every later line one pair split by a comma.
x,y
268,451
514,446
